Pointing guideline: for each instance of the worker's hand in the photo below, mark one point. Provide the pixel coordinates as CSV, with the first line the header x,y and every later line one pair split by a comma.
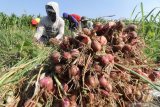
x,y
37,42
54,41
34,39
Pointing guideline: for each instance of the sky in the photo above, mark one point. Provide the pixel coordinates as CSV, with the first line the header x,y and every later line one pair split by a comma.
x,y
88,8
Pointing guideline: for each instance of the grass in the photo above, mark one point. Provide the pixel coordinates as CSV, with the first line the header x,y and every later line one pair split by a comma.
x,y
15,44
15,38
19,70
149,30
18,53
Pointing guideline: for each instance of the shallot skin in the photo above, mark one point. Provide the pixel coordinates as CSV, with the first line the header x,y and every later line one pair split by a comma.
x,y
56,57
96,46
47,83
74,70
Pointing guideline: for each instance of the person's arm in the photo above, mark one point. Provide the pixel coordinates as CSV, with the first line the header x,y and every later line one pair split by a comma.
x,y
40,31
61,30
75,22
90,25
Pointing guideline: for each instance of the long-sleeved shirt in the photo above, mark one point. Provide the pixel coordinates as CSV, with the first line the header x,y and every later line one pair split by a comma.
x,y
77,17
88,24
48,28
73,23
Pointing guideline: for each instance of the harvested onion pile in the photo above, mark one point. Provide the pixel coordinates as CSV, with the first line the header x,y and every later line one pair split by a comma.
x,y
86,70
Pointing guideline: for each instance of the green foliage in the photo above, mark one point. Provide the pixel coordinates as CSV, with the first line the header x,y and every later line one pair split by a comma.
x,y
18,53
100,19
149,30
16,34
8,22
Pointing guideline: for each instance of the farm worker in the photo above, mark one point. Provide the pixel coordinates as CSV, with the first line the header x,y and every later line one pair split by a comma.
x,y
50,26
86,23
73,20
35,21
74,23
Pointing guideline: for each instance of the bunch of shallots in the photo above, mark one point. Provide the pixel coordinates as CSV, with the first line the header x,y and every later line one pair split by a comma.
x,y
84,70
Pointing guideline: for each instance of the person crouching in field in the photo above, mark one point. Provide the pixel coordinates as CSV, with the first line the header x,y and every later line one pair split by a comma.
x,y
51,27
74,22
86,23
